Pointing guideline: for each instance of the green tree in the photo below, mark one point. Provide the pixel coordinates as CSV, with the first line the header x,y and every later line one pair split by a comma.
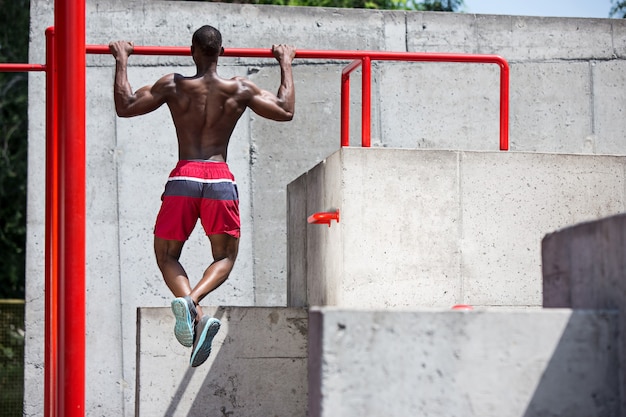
x,y
618,8
14,29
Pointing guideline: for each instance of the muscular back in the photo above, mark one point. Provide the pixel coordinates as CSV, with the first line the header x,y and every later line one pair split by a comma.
x,y
205,108
205,111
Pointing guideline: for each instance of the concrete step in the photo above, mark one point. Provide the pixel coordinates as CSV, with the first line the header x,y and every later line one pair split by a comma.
x,y
483,363
257,367
532,363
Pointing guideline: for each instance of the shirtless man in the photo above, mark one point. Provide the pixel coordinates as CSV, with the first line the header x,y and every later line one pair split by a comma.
x,y
205,109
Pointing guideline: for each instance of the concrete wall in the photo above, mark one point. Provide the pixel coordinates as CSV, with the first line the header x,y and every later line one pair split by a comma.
x,y
421,228
566,97
479,363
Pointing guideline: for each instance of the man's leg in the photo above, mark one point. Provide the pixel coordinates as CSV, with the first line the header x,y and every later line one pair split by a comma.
x,y
167,255
225,249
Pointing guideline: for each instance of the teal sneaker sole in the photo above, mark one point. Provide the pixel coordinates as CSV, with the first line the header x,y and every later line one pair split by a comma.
x,y
183,329
202,346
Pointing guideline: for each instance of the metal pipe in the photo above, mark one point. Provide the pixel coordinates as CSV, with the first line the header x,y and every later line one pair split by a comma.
x,y
345,101
21,67
366,103
52,233
504,106
315,54
70,59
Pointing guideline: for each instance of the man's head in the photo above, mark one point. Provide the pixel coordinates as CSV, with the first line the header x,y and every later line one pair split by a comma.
x,y
207,40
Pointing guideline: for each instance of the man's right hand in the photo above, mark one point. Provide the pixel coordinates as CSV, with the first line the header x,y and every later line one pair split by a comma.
x,y
121,49
284,53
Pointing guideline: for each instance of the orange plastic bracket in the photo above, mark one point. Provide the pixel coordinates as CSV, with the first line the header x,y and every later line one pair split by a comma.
x,y
324,217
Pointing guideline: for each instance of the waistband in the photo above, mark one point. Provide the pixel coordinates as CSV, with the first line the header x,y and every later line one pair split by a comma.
x,y
182,162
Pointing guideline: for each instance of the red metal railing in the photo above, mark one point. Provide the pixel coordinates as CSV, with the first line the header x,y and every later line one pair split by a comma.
x,y
65,178
22,67
360,59
366,60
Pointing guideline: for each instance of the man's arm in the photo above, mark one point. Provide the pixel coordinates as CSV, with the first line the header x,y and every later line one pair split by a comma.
x,y
279,107
144,100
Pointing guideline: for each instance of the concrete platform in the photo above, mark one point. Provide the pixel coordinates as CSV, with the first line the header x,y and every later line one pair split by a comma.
x,y
257,367
428,228
554,362
584,266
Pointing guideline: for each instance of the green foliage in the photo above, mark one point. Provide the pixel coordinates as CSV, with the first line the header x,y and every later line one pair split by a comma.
x,y
618,8
424,5
11,359
14,31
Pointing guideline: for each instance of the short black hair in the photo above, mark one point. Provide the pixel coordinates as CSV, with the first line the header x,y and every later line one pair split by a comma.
x,y
208,40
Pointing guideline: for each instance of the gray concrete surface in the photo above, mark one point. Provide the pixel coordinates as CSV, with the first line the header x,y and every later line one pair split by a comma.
x,y
584,267
257,366
424,228
480,363
566,96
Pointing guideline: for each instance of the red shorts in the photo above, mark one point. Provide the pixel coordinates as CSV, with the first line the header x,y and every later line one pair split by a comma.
x,y
202,190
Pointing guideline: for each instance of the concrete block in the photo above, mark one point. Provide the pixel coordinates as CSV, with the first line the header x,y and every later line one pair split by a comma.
x,y
618,31
507,212
479,363
546,38
425,32
543,109
395,33
424,228
325,249
359,260
516,38
584,267
410,105
257,365
296,249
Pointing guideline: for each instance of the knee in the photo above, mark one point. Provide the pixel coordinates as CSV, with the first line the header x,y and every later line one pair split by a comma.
x,y
164,254
162,258
229,253
226,249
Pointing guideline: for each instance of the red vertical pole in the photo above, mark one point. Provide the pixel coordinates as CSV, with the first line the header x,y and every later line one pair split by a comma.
x,y
345,110
504,106
71,61
345,101
52,232
366,136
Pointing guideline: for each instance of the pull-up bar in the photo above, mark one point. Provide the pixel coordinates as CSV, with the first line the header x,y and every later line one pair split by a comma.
x,y
360,58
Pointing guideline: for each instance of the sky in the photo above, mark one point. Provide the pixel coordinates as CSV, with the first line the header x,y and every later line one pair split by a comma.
x,y
557,8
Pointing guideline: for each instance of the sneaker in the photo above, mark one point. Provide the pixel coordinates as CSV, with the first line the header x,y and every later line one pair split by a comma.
x,y
185,312
206,329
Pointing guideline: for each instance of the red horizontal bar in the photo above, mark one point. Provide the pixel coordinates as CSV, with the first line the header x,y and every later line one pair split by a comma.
x,y
317,54
21,67
143,50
